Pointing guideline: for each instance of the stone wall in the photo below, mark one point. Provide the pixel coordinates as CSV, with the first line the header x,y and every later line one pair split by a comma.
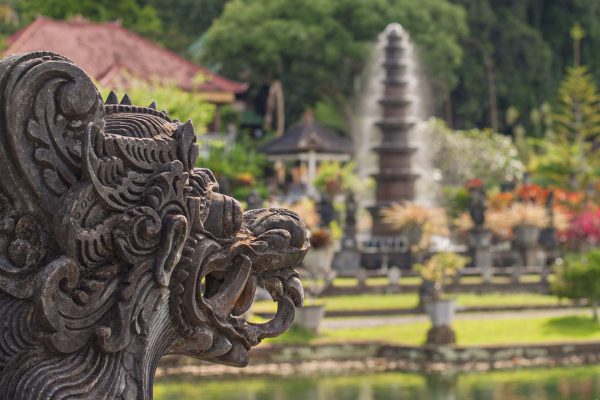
x,y
351,358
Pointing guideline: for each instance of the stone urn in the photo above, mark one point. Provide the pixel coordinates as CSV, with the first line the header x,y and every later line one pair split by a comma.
x,y
441,312
526,236
317,262
309,317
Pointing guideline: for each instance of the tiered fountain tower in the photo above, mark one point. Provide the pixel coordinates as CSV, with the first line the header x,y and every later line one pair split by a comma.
x,y
395,179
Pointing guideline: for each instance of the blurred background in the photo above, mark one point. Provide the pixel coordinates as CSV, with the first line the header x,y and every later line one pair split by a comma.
x,y
442,154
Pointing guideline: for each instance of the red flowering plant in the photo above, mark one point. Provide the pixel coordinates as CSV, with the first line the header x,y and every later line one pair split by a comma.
x,y
501,200
583,231
567,199
475,183
532,193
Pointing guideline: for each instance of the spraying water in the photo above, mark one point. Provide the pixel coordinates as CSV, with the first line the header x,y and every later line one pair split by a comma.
x,y
367,111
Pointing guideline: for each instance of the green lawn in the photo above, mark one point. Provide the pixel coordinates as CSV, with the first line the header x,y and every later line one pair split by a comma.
x,y
469,332
415,280
410,300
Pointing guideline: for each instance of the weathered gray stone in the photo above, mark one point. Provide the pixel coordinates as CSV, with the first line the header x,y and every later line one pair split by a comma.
x,y
115,249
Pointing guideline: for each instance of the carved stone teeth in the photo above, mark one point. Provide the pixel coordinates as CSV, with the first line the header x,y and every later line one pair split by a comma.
x,y
226,298
126,101
112,98
293,287
244,302
281,322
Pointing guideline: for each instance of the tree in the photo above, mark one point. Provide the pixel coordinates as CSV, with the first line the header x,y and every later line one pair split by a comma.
x,y
459,156
239,168
143,20
578,277
184,21
568,156
510,55
318,47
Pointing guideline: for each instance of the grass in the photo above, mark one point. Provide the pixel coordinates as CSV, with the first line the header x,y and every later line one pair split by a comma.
x,y
410,300
416,280
469,332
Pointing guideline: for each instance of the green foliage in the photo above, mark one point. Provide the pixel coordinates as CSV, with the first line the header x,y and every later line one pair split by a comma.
x,y
578,277
464,155
330,116
335,177
577,116
455,200
318,47
10,20
239,168
441,268
566,157
179,103
184,20
144,19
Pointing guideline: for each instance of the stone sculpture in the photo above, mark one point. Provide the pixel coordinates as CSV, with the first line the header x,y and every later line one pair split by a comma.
x,y
115,249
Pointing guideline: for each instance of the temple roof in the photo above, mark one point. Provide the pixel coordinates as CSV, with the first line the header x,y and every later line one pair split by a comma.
x,y
308,136
115,56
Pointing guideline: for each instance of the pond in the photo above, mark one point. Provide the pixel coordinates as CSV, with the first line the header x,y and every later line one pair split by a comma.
x,y
581,383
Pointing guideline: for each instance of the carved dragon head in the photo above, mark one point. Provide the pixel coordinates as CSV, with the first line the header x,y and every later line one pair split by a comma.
x,y
115,249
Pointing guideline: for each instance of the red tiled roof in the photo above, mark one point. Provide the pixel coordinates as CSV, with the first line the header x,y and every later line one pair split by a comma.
x,y
113,55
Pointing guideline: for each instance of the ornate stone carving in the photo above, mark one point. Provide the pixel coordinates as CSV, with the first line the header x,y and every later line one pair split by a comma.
x,y
115,249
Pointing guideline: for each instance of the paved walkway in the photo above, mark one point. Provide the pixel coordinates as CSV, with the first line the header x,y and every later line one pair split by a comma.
x,y
372,322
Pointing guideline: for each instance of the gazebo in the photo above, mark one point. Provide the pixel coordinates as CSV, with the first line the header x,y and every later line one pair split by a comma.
x,y
306,145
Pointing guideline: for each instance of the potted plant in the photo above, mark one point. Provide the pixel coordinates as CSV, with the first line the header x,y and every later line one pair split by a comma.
x,y
438,272
419,224
527,220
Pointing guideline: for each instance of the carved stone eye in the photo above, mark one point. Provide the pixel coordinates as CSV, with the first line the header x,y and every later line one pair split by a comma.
x,y
224,217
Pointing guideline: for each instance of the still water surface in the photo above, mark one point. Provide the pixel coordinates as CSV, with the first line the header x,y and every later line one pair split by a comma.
x,y
582,383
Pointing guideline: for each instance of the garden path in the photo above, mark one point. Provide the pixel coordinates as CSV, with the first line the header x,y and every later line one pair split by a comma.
x,y
372,322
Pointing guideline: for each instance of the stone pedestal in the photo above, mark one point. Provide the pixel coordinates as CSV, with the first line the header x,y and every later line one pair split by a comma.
x,y
361,277
346,262
516,274
441,335
531,257
480,241
309,317
527,243
394,275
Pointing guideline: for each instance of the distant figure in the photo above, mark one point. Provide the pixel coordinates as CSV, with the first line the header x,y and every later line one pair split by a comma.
x,y
351,208
349,239
477,204
326,210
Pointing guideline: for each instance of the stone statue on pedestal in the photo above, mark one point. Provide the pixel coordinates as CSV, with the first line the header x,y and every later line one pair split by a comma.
x,y
480,238
347,259
115,249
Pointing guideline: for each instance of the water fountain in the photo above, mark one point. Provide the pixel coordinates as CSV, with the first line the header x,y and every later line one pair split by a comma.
x,y
367,111
395,179
402,105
